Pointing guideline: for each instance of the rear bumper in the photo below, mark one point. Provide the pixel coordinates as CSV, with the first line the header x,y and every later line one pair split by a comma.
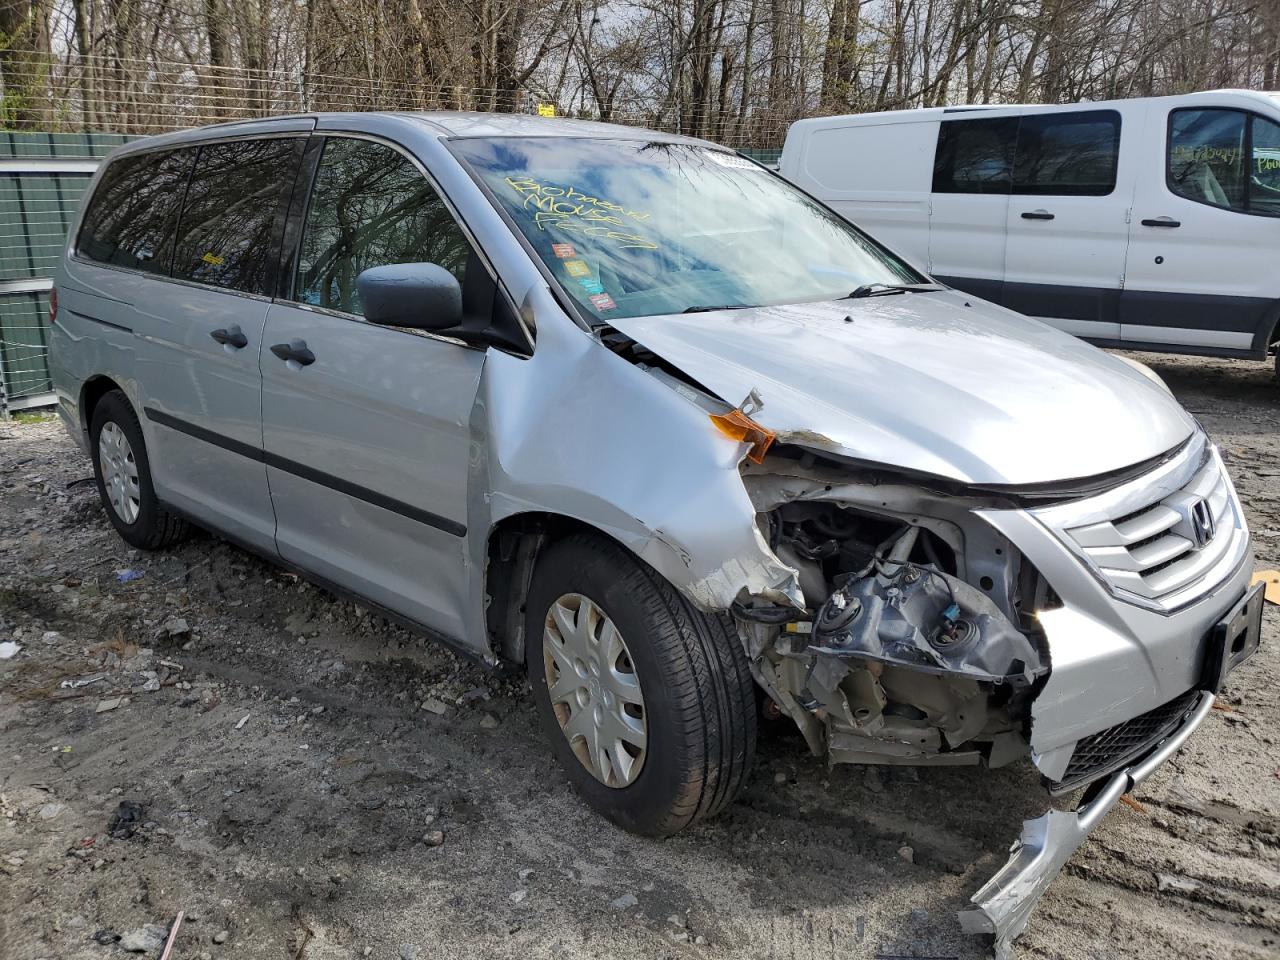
x,y
1005,903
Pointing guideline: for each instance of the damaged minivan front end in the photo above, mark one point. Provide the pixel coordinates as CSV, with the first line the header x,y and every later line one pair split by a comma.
x,y
918,619
943,534
929,636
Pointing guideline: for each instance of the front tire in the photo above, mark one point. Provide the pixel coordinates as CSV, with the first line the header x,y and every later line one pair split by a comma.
x,y
648,703
123,475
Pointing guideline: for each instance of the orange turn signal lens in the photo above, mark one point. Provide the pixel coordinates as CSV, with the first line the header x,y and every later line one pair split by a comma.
x,y
736,425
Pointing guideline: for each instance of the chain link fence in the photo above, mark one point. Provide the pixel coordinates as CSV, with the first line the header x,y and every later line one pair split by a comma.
x,y
100,93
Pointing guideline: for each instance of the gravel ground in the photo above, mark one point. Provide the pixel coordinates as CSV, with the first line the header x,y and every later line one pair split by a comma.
x,y
307,781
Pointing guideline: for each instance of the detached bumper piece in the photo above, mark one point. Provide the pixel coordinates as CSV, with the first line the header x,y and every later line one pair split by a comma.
x,y
1005,903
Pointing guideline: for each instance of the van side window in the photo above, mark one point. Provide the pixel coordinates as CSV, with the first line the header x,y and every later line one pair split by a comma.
x,y
974,156
1067,154
1264,171
1225,158
235,203
131,218
1206,156
370,207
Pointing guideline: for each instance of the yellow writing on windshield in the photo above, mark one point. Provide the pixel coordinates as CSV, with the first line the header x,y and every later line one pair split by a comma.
x,y
567,208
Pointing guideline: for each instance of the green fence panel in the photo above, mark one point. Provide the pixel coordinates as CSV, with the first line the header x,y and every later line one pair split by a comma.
x,y
63,146
35,211
24,343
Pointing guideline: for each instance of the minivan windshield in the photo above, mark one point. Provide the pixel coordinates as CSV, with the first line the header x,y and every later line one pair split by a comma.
x,y
636,228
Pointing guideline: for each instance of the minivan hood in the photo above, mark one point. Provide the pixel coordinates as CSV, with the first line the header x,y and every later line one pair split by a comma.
x,y
940,383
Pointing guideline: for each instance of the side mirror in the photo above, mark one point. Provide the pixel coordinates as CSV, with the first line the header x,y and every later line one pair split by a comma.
x,y
422,296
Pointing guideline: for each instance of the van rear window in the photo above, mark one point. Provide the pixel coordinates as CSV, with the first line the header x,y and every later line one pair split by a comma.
x,y
131,218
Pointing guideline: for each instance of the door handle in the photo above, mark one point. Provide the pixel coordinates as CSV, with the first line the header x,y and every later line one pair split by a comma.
x,y
1037,215
296,351
232,338
1162,222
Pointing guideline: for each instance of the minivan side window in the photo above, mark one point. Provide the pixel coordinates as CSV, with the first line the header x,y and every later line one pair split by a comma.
x,y
131,217
1067,154
974,156
235,204
1225,158
370,207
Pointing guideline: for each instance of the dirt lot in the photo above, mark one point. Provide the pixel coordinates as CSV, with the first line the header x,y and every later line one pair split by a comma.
x,y
315,783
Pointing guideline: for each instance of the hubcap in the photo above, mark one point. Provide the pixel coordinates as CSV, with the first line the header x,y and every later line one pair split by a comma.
x,y
594,690
119,471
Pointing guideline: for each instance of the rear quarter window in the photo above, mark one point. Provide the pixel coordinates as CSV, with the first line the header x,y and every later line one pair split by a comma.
x,y
132,215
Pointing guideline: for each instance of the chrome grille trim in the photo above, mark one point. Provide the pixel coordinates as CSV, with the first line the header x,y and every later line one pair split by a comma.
x,y
1141,541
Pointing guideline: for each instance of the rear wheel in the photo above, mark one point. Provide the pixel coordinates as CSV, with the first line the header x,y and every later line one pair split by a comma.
x,y
648,702
123,474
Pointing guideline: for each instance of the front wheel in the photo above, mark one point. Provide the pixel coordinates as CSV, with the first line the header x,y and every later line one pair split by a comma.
x,y
647,701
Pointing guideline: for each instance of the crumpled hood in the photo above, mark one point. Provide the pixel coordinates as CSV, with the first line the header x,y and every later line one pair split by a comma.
x,y
940,383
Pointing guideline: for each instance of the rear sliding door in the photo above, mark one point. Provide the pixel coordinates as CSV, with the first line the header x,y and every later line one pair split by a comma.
x,y
1067,229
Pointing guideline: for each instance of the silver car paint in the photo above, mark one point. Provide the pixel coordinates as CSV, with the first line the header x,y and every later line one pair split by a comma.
x,y
938,383
962,391
389,410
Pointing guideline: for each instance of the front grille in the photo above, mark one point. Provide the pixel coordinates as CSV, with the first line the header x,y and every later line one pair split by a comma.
x,y
1153,553
1102,753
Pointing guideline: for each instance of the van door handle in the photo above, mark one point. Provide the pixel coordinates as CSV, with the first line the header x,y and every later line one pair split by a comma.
x,y
1037,215
296,351
232,338
1162,222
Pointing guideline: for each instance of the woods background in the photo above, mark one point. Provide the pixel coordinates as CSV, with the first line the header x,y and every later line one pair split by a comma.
x,y
737,71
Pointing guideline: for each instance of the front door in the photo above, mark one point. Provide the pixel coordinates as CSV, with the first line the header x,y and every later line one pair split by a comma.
x,y
1201,271
367,429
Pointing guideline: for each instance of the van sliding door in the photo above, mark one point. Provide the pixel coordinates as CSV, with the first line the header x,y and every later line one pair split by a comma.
x,y
1067,232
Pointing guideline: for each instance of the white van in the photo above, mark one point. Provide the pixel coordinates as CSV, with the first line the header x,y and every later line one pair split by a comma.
x,y
1149,223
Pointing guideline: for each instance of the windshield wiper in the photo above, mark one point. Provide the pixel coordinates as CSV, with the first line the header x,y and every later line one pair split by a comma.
x,y
723,306
886,289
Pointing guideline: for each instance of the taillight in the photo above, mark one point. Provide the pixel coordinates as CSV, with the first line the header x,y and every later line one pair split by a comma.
x,y
53,304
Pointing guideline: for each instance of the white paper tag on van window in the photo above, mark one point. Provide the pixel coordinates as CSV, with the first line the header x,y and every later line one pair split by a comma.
x,y
731,160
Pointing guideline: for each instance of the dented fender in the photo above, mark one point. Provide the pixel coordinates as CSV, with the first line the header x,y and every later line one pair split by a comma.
x,y
577,431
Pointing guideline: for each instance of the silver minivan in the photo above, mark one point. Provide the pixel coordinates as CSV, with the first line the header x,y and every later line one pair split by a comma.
x,y
633,412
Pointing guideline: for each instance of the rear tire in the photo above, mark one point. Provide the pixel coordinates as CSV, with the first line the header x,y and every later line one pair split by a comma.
x,y
123,475
698,696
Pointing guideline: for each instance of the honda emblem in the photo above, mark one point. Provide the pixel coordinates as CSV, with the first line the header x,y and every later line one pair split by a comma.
x,y
1202,523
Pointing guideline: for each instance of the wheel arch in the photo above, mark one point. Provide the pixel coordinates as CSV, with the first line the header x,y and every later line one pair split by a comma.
x,y
92,391
511,552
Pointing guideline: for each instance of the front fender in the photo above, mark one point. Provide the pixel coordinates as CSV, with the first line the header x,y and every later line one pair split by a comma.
x,y
578,431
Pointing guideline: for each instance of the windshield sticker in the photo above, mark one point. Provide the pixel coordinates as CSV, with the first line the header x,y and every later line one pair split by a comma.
x,y
602,301
564,251
566,208
576,268
591,286
212,259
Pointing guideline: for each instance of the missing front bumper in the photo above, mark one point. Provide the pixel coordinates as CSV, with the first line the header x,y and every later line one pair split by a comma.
x,y
1005,903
